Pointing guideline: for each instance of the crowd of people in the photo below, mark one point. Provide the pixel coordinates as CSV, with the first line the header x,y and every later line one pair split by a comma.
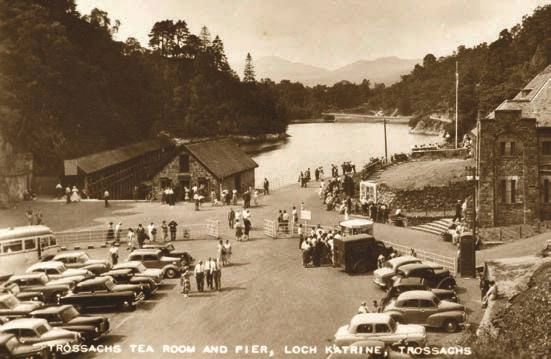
x,y
317,245
33,217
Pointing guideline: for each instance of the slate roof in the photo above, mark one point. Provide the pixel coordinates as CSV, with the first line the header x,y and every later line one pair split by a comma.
x,y
222,158
100,160
534,100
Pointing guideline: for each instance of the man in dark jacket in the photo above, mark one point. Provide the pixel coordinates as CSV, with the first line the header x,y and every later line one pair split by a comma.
x,y
140,235
172,225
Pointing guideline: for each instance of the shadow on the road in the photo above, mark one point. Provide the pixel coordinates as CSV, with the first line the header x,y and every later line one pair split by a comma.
x,y
229,289
237,264
111,339
200,295
150,304
460,290
158,296
166,286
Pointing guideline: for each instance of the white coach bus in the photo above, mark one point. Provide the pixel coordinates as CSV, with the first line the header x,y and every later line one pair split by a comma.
x,y
22,246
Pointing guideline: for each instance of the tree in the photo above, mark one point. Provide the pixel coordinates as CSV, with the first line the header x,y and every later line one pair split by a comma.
x,y
204,36
181,34
219,56
248,73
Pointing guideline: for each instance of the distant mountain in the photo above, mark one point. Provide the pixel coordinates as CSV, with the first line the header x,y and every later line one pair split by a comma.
x,y
386,70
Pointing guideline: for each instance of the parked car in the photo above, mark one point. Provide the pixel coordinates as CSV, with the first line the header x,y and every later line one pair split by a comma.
x,y
40,282
126,276
168,250
91,328
11,307
402,285
81,259
382,327
57,270
423,307
37,332
140,270
11,347
103,292
383,276
435,277
153,258
14,289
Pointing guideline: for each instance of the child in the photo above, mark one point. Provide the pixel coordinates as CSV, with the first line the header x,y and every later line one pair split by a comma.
x,y
184,281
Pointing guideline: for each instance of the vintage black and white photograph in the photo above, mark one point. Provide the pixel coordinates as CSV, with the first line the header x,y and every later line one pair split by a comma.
x,y
324,179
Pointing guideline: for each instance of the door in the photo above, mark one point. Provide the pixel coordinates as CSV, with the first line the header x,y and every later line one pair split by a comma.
x,y
426,309
410,308
237,182
184,183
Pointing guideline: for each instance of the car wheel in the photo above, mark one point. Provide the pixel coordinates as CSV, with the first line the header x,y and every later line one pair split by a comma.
x,y
449,284
450,326
170,273
360,266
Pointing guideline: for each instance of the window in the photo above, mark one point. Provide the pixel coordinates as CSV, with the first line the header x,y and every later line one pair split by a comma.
x,y
426,304
508,148
30,244
508,190
364,328
546,148
412,303
13,246
150,257
503,191
381,328
512,151
184,162
43,242
53,241
502,146
513,191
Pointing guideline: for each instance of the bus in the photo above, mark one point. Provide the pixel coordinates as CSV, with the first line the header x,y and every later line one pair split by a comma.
x,y
21,247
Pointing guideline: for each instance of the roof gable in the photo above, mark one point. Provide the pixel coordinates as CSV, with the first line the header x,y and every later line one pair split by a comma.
x,y
222,158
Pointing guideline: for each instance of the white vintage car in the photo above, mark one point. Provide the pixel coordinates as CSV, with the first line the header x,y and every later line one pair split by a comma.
x,y
383,276
381,327
58,270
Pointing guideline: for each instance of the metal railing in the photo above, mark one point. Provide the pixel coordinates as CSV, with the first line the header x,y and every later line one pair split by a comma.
x,y
449,263
208,230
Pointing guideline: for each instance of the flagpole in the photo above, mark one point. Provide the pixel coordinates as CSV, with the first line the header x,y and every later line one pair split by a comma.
x,y
456,100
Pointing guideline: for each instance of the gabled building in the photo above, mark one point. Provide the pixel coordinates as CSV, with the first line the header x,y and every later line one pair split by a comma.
x,y
514,158
214,165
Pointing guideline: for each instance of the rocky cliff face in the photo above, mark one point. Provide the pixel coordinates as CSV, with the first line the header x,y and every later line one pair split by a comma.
x,y
429,127
15,174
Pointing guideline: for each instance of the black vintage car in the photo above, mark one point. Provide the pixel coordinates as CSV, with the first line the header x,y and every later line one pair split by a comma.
x,y
358,253
91,328
433,277
11,307
402,285
168,250
52,290
127,276
102,292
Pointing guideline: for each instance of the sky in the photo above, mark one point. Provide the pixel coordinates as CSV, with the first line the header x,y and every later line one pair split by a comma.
x,y
325,33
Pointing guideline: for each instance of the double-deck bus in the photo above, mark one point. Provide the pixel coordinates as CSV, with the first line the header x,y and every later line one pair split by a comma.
x,y
22,246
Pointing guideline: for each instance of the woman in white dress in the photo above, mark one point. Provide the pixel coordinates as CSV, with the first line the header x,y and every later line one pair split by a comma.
x,y
75,197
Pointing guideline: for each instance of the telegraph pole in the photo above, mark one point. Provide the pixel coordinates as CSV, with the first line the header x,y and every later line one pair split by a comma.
x,y
386,151
456,99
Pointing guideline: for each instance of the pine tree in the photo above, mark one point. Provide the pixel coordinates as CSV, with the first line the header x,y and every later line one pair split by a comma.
x,y
204,36
219,56
248,74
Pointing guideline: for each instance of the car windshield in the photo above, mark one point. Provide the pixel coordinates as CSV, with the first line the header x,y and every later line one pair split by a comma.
x,y
169,247
388,265
109,284
69,314
436,301
42,329
83,258
141,268
10,301
61,268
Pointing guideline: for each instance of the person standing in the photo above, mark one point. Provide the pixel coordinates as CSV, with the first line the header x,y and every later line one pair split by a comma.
x,y
67,195
164,229
185,282
295,215
285,220
59,190
458,210
114,253
30,216
231,218
238,231
266,186
172,225
200,276
300,236
140,234
220,252
132,242
247,228
106,198
255,198
118,228
234,197
217,275
75,196
110,233
227,252
208,272
38,218
363,309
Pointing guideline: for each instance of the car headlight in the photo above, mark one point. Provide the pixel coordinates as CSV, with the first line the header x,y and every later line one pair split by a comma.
x,y
96,329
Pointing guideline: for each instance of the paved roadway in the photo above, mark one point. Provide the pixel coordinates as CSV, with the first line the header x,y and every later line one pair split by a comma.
x,y
268,298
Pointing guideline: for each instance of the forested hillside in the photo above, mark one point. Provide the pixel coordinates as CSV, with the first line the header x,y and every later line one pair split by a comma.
x,y
67,88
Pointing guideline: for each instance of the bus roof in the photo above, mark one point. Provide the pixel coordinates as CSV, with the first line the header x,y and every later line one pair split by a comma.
x,y
23,232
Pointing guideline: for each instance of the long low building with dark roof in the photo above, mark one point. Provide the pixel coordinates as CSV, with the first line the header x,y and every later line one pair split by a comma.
x,y
134,170
514,158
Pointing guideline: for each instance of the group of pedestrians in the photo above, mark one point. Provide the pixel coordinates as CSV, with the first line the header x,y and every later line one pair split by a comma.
x,y
317,246
240,221
136,237
209,271
304,178
33,217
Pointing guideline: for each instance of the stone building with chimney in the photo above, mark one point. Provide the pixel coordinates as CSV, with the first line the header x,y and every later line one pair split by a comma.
x,y
514,158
